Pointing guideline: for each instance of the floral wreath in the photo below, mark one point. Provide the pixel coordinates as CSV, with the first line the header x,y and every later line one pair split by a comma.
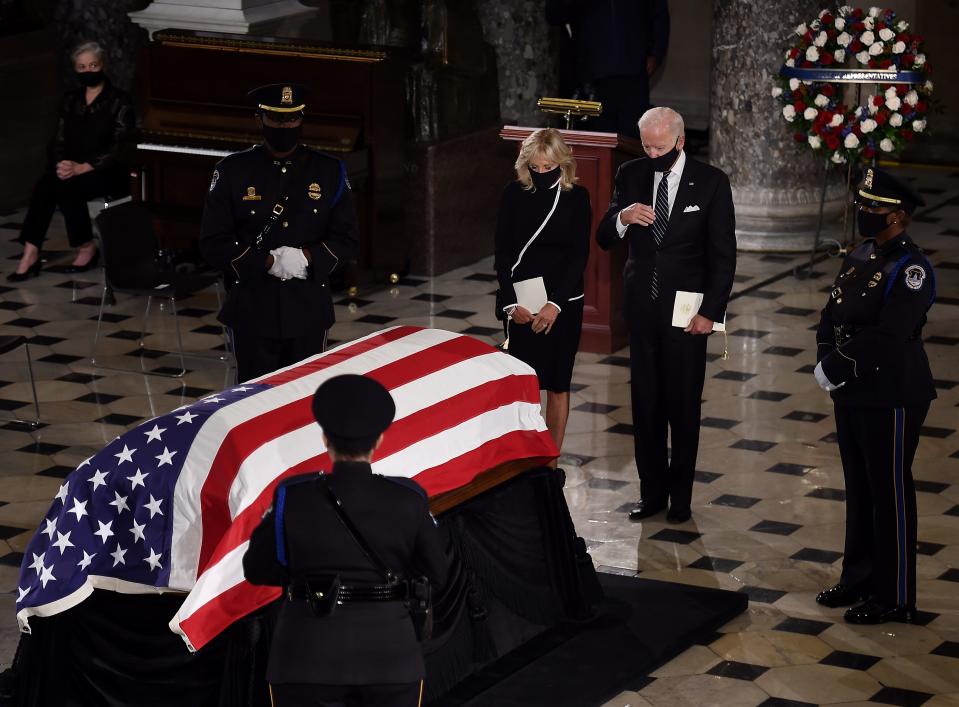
x,y
808,84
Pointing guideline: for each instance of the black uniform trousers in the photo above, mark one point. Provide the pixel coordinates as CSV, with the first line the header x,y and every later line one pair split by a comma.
x,y
71,196
877,446
308,695
668,370
258,355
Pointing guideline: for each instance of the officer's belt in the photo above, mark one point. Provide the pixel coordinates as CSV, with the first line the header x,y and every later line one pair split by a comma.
x,y
357,592
844,332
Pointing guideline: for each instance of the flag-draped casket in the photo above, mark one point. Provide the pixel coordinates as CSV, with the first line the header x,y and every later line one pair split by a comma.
x,y
170,504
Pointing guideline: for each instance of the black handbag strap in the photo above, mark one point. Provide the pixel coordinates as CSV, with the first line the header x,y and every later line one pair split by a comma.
x,y
357,536
283,196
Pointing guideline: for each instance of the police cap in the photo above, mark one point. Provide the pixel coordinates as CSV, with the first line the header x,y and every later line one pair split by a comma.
x,y
353,407
878,189
281,101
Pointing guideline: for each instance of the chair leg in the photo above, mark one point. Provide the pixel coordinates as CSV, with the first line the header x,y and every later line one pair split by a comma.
x,y
179,338
33,386
96,336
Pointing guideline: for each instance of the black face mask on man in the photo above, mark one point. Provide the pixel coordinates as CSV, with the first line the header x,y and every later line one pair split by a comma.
x,y
282,140
871,224
89,79
544,180
665,160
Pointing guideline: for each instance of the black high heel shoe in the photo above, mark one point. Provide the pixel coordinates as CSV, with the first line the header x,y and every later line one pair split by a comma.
x,y
32,271
92,263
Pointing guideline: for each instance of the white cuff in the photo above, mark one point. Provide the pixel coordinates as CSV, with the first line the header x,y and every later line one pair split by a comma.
x,y
620,226
558,308
510,307
823,381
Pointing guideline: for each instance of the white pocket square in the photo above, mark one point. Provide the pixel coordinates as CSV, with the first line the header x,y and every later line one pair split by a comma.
x,y
689,209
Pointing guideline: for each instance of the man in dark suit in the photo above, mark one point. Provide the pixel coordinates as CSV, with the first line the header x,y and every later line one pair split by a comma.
x,y
343,633
676,214
617,46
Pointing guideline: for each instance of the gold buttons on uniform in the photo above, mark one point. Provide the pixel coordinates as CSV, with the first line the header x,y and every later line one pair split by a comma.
x,y
314,211
283,169
286,224
872,256
252,212
839,301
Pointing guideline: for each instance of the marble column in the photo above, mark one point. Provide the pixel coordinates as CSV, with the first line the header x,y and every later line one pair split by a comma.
x,y
237,16
776,184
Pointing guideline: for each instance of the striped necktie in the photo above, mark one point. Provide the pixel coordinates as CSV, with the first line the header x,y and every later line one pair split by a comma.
x,y
660,224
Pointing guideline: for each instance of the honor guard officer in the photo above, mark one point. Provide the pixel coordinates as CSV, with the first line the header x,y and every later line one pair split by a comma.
x,y
872,361
344,634
279,218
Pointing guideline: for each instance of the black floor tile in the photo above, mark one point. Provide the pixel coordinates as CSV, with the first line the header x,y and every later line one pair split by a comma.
x,y
99,398
12,559
211,329
943,340
606,484
954,511
853,661
115,418
375,319
782,351
750,333
482,331
708,477
8,531
712,357
195,312
950,649
430,297
26,322
736,670
125,335
411,281
930,486
804,626
13,306
937,432
456,314
828,494
601,408
795,311
831,438
62,359
20,426
615,361
810,554
168,370
805,416
481,277
769,395
672,535
715,564
79,378
146,353
189,391
742,278
740,376
93,300
42,448
950,575
901,697
763,595
112,317
808,369
944,384
764,294
927,548
780,702
753,445
734,501
9,405
719,422
775,527
347,301
621,428
576,387
59,471
41,340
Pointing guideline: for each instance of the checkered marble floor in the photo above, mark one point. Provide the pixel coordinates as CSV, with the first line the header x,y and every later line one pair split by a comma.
x,y
767,505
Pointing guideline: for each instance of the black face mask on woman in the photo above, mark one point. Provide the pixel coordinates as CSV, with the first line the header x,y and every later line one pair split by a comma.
x,y
282,139
89,79
544,180
871,225
665,160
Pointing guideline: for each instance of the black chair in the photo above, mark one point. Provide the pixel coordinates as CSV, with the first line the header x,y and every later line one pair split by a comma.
x,y
128,248
9,343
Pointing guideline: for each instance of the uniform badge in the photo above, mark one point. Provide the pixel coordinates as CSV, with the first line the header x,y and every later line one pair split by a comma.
x,y
914,277
286,97
837,293
313,191
872,283
216,178
867,182
251,194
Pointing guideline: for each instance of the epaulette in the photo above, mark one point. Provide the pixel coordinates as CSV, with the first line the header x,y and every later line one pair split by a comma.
x,y
406,483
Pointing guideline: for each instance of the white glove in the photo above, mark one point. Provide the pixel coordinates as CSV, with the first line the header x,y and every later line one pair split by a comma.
x,y
824,382
288,263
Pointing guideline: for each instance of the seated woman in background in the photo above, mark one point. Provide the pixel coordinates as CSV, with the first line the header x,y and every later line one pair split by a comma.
x,y
543,231
84,164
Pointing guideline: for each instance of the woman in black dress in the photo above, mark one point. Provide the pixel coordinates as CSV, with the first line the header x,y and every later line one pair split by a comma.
x,y
84,164
542,231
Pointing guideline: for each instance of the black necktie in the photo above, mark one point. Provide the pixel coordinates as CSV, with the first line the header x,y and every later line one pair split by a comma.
x,y
660,224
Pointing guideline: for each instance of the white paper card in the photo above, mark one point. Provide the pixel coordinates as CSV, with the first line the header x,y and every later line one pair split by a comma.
x,y
686,305
531,294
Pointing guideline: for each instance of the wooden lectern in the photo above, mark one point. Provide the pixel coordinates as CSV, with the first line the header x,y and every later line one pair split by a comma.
x,y
598,156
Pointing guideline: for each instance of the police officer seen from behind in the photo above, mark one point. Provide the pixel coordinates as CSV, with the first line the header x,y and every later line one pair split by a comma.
x,y
364,651
872,361
279,218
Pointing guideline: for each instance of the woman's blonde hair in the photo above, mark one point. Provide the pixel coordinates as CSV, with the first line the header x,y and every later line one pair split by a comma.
x,y
550,143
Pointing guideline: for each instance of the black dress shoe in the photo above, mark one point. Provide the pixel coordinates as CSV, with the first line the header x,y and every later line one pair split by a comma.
x,y
92,263
32,271
678,515
872,612
645,509
840,595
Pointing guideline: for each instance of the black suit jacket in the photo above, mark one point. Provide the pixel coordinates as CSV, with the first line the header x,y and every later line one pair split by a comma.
x,y
698,252
360,643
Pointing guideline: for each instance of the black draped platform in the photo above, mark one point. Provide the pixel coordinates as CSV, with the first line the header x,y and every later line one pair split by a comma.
x,y
522,593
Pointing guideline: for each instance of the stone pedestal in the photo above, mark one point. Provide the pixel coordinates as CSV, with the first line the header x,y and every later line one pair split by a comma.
x,y
776,184
235,16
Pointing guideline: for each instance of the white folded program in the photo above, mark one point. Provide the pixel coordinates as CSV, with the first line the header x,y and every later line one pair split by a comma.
x,y
686,305
531,294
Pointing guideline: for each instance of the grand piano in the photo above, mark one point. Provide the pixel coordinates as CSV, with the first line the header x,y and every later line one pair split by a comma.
x,y
194,111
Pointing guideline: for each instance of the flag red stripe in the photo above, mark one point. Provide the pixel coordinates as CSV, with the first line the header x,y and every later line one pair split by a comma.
x,y
232,605
245,438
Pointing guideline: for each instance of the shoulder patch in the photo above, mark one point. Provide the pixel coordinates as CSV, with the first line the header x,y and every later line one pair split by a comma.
x,y
301,478
407,483
216,178
915,275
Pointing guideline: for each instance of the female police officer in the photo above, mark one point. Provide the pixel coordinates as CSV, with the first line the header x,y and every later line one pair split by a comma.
x,y
872,361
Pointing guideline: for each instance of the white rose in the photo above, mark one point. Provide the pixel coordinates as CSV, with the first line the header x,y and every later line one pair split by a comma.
x,y
912,98
814,142
902,26
893,102
868,22
919,125
863,57
891,91
868,125
789,113
821,39
919,60
802,29
885,34
777,92
812,54
867,38
876,49
821,101
837,158
836,121
844,39
840,55
870,106
886,145
840,24
874,11
793,84
810,113
895,120
790,62
851,142
927,86
899,47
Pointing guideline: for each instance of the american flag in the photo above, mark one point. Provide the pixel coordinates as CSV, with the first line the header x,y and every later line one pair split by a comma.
x,y
170,504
